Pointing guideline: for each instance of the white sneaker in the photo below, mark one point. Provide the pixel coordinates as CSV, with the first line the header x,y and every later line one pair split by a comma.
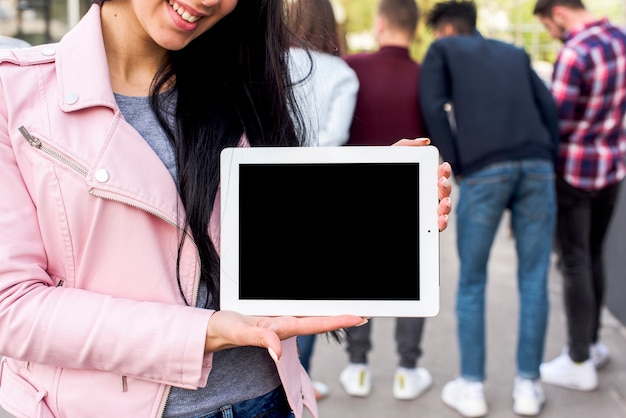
x,y
411,383
356,380
562,371
528,397
599,354
467,397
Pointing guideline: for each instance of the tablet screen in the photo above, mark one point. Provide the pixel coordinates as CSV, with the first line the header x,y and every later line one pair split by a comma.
x,y
308,227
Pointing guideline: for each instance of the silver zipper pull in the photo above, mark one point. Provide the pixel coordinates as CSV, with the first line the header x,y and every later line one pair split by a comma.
x,y
31,139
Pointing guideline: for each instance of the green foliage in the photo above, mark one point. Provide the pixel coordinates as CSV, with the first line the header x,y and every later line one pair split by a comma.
x,y
508,20
360,15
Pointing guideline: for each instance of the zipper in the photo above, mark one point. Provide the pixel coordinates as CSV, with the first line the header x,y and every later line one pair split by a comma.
x,y
59,156
36,143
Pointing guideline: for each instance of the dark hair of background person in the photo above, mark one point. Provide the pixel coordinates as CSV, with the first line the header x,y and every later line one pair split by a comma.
x,y
401,14
244,89
544,7
460,14
314,27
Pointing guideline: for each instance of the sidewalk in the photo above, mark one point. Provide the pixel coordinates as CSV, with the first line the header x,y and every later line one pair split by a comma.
x,y
441,353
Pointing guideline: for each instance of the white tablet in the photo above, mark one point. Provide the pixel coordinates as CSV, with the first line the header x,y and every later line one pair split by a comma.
x,y
320,231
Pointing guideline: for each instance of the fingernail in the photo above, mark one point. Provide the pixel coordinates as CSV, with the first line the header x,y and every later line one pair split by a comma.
x,y
425,140
365,321
272,354
445,182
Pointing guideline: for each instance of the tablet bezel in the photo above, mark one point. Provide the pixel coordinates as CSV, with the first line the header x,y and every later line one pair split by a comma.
x,y
428,159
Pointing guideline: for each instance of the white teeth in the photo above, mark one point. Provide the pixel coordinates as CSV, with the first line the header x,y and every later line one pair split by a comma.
x,y
184,14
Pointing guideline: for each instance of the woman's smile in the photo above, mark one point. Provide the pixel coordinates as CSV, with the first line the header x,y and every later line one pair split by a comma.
x,y
186,15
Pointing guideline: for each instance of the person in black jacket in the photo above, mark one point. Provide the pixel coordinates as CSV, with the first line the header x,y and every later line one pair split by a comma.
x,y
495,121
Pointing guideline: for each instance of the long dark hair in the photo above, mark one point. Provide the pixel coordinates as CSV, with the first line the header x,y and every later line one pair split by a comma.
x,y
314,26
230,81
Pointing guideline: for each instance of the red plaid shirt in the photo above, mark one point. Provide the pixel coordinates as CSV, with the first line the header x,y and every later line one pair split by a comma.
x,y
589,86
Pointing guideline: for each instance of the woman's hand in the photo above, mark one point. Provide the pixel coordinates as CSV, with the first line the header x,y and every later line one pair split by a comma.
x,y
444,187
228,329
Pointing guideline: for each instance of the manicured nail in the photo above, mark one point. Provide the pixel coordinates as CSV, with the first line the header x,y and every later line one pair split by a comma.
x,y
365,321
425,140
445,182
272,354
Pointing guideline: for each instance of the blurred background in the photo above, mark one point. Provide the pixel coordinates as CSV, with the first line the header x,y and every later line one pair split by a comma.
x,y
43,21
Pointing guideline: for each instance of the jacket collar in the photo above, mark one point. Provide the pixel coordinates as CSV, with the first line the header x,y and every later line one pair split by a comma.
x,y
83,72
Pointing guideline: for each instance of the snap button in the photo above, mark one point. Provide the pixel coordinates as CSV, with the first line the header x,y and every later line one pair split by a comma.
x,y
101,175
48,51
71,98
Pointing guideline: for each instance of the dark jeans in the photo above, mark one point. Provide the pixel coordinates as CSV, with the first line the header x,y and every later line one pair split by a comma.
x,y
408,336
583,218
271,405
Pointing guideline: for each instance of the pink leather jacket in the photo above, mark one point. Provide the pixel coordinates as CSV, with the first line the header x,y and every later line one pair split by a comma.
x,y
92,323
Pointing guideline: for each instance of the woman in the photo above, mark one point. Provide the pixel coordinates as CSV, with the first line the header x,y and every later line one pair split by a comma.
x,y
109,281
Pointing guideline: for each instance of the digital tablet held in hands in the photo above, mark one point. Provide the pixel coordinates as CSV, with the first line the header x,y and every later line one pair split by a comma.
x,y
321,231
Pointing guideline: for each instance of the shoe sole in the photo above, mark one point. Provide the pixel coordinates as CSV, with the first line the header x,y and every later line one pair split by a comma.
x,y
452,405
527,412
567,385
363,394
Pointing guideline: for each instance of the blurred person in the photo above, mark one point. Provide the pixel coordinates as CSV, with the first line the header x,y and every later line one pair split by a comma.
x,y
110,245
8,42
495,121
324,85
387,107
325,88
589,87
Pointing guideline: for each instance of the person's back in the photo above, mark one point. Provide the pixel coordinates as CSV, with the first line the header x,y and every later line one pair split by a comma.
x,y
326,89
386,103
493,92
495,121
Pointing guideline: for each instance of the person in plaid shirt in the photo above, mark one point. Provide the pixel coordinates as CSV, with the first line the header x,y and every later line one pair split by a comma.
x,y
589,86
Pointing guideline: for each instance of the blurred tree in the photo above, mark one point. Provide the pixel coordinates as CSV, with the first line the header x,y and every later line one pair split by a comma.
x,y
359,25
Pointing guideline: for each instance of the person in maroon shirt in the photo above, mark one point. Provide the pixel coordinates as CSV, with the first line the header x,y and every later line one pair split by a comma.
x,y
387,108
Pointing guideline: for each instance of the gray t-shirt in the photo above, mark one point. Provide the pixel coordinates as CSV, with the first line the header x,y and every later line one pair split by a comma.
x,y
238,373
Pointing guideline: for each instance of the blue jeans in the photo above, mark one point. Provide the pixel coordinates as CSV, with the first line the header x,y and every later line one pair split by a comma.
x,y
271,405
527,189
306,344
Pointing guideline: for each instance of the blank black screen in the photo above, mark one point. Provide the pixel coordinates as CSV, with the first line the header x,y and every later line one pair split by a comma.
x,y
329,231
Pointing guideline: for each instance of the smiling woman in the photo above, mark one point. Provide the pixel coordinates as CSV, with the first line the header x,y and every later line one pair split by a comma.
x,y
111,276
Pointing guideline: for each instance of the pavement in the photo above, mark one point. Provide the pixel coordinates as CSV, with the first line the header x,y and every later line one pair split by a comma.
x,y
441,355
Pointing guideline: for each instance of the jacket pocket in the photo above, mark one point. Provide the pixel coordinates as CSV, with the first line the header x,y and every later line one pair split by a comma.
x,y
20,398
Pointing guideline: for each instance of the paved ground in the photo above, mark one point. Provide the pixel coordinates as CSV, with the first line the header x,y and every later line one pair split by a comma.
x,y
441,354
